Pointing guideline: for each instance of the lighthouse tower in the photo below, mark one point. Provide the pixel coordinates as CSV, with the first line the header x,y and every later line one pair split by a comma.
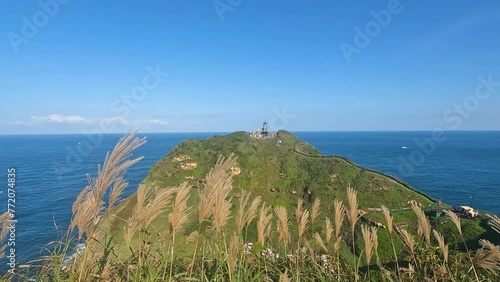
x,y
264,131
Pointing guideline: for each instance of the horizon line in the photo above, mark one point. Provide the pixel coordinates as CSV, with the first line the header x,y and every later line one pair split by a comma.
x,y
229,132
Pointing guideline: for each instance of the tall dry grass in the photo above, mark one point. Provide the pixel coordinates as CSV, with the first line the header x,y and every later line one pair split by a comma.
x,y
302,221
494,222
241,216
488,257
149,205
178,217
353,213
264,224
156,235
388,218
328,230
180,210
89,208
442,245
339,213
220,182
215,203
4,225
424,226
251,213
368,241
389,221
320,242
218,185
282,225
315,210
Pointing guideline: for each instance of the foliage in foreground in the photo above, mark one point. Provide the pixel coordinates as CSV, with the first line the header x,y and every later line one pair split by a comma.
x,y
243,238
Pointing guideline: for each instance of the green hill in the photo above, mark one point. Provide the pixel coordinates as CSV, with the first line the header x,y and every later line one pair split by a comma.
x,y
283,172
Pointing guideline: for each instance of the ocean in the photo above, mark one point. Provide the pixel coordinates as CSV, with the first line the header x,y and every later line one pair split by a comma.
x,y
458,168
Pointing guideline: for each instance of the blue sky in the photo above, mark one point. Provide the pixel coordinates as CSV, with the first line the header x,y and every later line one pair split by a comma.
x,y
226,65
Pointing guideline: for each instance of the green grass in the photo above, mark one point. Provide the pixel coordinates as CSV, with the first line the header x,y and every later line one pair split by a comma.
x,y
267,166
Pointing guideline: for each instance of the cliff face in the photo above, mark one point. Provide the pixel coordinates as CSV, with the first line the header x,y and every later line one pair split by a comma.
x,y
281,170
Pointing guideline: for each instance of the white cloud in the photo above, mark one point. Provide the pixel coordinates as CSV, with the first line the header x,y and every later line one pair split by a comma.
x,y
158,122
113,120
57,118
80,120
